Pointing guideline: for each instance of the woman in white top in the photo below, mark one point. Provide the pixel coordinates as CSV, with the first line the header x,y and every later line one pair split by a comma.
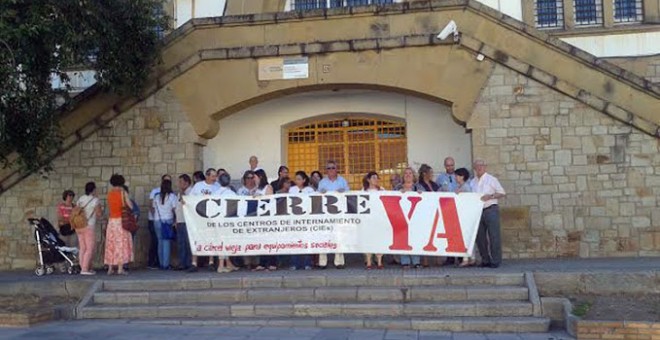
x,y
261,183
301,187
87,236
164,206
263,188
370,182
249,186
462,177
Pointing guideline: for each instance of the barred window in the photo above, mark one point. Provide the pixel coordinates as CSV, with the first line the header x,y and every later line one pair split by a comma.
x,y
628,11
303,5
549,13
357,145
588,12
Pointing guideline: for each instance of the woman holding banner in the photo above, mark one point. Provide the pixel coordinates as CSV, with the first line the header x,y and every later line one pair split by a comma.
x,y
301,187
370,183
263,188
248,189
426,184
462,177
407,185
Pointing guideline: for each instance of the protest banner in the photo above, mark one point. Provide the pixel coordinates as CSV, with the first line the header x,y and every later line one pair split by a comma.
x,y
386,222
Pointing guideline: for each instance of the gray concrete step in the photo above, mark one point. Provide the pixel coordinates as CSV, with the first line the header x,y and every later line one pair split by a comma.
x,y
320,294
372,309
243,280
451,324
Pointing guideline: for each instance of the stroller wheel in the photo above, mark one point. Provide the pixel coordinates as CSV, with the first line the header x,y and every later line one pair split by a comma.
x,y
77,269
49,270
63,268
71,270
40,271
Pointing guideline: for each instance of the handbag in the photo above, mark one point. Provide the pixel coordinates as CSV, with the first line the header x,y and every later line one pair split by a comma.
x,y
128,221
166,229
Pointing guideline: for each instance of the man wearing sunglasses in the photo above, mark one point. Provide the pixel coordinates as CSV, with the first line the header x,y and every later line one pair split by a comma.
x,y
332,182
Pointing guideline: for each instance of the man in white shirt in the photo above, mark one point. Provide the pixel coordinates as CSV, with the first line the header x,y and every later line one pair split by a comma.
x,y
152,260
332,183
489,241
209,186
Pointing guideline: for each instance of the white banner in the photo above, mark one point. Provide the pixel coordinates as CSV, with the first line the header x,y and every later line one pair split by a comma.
x,y
386,222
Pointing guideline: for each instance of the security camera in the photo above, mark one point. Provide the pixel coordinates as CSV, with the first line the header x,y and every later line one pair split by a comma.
x,y
451,28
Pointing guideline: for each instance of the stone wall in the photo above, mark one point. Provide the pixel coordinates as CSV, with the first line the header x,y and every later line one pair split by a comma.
x,y
647,67
151,139
579,183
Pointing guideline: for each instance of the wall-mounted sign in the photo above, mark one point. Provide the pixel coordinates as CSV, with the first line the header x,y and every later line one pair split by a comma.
x,y
283,68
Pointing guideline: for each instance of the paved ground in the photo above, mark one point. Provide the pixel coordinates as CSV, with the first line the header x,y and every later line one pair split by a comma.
x,y
118,329
509,266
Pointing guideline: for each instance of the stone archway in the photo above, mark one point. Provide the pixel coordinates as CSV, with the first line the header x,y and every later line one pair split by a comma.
x,y
432,133
431,72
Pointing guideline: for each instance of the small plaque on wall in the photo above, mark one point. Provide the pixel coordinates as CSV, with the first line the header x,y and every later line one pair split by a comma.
x,y
283,68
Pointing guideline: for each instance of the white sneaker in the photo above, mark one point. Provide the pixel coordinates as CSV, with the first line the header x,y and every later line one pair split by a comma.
x,y
87,273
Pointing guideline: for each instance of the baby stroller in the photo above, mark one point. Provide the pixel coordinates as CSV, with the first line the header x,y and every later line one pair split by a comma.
x,y
52,250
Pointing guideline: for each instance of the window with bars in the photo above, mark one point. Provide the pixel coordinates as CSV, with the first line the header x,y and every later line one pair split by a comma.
x,y
588,12
302,5
549,13
357,145
628,11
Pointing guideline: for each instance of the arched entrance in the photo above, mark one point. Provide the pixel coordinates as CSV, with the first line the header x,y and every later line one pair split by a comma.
x,y
358,145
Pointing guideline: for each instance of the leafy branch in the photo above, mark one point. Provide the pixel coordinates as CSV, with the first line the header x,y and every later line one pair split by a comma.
x,y
41,40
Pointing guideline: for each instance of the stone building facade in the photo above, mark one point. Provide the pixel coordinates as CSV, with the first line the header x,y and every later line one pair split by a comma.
x,y
573,138
151,139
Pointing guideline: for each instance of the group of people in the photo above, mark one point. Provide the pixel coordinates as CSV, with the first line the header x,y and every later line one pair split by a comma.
x,y
166,215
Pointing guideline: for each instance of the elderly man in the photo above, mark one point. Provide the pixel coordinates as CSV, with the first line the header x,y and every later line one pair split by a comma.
x,y
332,183
254,163
489,241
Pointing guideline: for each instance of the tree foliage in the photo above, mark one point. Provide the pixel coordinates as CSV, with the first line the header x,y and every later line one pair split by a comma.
x,y
119,39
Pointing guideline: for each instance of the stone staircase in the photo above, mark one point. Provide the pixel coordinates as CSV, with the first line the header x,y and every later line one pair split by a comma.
x,y
466,302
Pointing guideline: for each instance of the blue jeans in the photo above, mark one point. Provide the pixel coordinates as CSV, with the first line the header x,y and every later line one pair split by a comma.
x,y
183,246
301,261
163,245
407,260
153,246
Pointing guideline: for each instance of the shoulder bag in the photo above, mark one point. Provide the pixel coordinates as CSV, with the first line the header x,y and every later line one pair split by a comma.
x,y
128,221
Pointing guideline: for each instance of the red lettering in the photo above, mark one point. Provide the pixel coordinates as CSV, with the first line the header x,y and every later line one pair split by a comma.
x,y
398,220
452,224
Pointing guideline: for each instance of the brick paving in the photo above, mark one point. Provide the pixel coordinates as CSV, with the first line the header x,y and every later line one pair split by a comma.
x,y
121,329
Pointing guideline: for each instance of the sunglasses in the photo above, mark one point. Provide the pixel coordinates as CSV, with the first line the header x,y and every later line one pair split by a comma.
x,y
331,168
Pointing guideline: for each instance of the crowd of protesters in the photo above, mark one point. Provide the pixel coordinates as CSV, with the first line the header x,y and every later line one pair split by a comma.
x,y
167,225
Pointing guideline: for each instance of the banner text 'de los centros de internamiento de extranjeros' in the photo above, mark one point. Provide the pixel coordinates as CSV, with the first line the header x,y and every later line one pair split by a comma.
x,y
385,222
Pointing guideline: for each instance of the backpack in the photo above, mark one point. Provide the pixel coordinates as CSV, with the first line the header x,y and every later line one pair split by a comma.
x,y
78,219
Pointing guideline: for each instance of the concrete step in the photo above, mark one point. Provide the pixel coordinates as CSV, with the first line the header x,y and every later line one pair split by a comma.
x,y
321,294
313,310
243,280
451,324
